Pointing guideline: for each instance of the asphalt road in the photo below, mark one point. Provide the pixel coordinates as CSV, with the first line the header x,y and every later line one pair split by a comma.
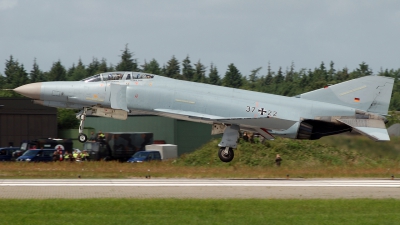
x,y
199,188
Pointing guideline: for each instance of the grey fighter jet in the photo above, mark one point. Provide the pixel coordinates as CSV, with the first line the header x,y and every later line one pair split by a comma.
x,y
357,105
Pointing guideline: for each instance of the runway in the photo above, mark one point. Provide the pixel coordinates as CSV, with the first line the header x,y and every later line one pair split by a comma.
x,y
199,188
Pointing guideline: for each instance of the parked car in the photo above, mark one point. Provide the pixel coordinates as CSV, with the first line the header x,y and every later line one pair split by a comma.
x,y
144,156
6,153
37,155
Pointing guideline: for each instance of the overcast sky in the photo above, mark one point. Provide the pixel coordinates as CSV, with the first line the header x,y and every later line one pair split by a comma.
x,y
247,33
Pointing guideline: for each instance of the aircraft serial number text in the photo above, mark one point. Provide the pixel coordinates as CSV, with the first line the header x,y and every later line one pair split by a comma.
x,y
261,111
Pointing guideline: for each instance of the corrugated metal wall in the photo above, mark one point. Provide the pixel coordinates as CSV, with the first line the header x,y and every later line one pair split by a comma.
x,y
190,135
162,128
22,120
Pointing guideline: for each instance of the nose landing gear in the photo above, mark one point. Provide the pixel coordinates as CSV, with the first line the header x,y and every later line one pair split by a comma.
x,y
82,116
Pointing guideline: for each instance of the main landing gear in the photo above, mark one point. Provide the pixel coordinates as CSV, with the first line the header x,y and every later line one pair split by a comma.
x,y
226,154
228,143
82,116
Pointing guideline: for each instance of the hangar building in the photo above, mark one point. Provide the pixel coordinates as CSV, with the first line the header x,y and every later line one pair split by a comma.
x,y
22,120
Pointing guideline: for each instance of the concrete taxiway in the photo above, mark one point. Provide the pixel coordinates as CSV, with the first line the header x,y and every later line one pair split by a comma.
x,y
199,188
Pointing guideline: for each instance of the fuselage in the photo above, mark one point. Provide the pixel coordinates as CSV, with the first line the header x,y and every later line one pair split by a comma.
x,y
191,101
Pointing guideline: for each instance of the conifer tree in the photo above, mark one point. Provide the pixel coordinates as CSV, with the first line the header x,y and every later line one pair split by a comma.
x,y
97,66
103,67
16,74
320,74
269,78
233,78
70,72
187,69
163,71
144,66
303,81
57,72
152,67
342,75
331,71
253,78
213,75
200,73
36,75
363,70
290,73
127,63
2,82
79,72
279,76
93,67
254,75
172,69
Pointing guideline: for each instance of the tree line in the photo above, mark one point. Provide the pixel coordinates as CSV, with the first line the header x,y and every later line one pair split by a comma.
x,y
286,81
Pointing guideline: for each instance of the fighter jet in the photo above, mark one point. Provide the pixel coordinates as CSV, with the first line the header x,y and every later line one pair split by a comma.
x,y
358,105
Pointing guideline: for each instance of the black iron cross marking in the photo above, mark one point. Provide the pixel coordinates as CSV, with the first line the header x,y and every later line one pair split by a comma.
x,y
262,111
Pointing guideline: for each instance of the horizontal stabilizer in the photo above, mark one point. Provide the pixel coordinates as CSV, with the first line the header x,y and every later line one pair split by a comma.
x,y
374,129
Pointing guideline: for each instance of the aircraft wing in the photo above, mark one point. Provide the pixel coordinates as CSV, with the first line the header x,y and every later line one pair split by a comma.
x,y
263,123
374,129
187,114
272,123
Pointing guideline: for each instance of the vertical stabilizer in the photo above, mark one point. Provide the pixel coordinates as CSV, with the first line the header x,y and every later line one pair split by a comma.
x,y
369,93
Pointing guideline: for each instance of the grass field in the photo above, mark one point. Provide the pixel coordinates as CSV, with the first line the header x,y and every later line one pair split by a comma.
x,y
194,211
9,170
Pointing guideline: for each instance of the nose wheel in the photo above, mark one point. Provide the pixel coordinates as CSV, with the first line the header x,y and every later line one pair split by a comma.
x,y
225,154
82,138
82,116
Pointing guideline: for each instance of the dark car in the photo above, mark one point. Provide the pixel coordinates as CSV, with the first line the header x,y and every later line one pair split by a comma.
x,y
144,156
6,153
37,155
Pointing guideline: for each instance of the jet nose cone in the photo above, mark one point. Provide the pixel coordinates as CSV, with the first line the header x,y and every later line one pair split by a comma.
x,y
30,90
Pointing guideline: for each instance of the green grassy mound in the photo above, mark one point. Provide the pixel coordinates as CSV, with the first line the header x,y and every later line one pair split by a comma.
x,y
329,151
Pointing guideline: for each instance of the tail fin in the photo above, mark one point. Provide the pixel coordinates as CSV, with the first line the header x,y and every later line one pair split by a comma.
x,y
369,93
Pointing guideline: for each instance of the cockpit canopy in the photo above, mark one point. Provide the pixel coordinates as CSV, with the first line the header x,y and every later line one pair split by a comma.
x,y
110,76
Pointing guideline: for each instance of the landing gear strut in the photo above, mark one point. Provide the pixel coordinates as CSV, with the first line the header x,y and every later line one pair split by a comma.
x,y
82,116
228,143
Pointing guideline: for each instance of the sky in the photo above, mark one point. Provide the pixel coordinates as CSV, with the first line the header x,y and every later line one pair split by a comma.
x,y
250,34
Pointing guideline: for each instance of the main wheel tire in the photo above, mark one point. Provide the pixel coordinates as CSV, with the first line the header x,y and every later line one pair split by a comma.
x,y
82,138
226,156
